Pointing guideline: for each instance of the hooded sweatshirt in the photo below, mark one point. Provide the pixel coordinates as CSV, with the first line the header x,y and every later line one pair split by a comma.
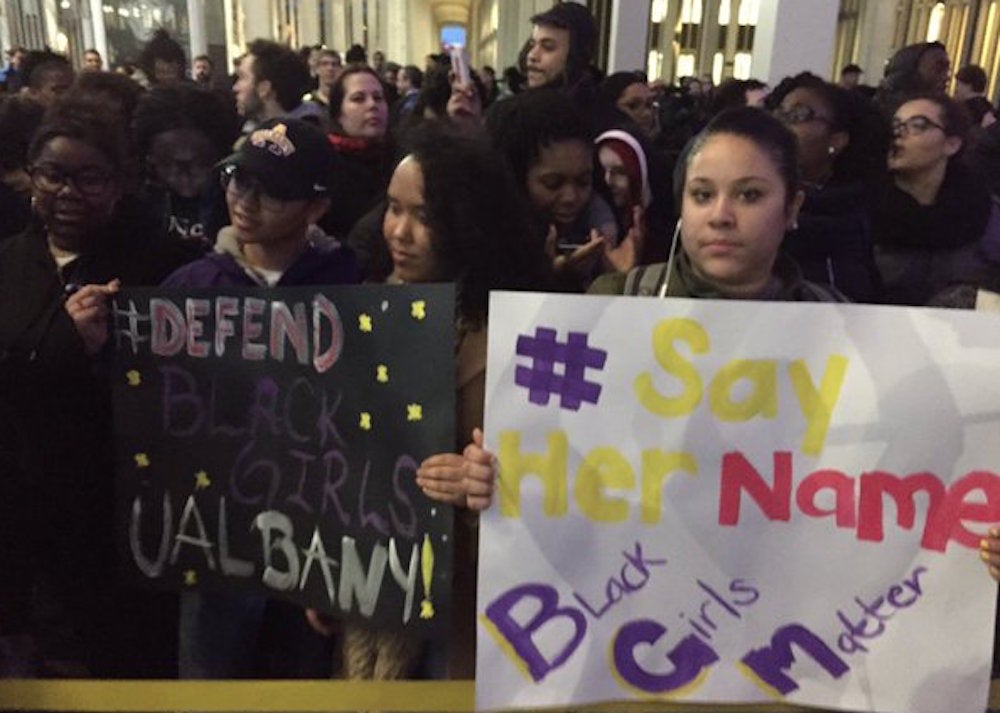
x,y
323,262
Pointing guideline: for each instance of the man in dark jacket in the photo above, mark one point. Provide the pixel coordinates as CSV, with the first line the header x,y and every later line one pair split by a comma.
x,y
277,187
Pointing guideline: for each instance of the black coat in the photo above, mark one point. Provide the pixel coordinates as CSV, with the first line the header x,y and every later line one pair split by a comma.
x,y
833,243
57,511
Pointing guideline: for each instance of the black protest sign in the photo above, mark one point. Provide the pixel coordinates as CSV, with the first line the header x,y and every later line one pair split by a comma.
x,y
267,440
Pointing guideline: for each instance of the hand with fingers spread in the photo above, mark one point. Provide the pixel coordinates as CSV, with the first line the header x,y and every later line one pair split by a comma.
x,y
88,308
989,552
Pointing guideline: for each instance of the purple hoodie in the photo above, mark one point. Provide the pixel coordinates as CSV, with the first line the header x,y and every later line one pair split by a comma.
x,y
324,262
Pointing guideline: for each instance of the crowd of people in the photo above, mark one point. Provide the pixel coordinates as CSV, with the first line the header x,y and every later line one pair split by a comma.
x,y
313,168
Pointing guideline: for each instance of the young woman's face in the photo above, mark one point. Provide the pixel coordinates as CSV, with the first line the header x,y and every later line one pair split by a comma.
x,y
637,102
405,228
364,113
615,176
74,191
560,181
805,113
919,142
734,214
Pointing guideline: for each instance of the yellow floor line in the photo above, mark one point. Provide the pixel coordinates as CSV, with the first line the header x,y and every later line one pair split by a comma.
x,y
295,697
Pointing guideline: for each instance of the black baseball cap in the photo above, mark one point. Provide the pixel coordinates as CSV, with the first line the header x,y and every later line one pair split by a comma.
x,y
290,159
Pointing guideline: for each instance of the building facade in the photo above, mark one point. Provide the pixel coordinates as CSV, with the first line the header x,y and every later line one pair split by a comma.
x,y
668,39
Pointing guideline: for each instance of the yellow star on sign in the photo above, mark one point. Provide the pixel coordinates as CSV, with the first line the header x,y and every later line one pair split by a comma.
x,y
414,412
133,377
190,578
365,421
382,374
141,460
418,309
201,480
365,322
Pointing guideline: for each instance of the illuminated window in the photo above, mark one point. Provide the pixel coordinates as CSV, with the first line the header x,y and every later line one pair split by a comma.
x,y
935,22
718,61
691,12
749,11
741,65
654,64
724,13
659,10
685,65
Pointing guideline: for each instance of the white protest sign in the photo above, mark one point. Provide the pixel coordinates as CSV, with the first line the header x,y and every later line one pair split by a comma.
x,y
738,502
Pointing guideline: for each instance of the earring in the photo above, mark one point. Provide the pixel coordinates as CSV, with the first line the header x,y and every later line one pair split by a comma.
x,y
830,150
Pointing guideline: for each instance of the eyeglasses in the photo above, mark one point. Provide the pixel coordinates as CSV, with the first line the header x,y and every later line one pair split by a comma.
x,y
637,104
798,114
246,185
914,125
90,182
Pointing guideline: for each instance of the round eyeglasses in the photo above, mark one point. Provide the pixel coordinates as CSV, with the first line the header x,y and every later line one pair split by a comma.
x,y
246,185
798,114
90,182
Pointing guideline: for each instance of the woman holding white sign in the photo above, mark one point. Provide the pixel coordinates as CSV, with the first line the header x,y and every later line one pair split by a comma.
x,y
740,194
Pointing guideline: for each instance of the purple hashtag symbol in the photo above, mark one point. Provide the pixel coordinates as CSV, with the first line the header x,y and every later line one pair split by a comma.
x,y
541,379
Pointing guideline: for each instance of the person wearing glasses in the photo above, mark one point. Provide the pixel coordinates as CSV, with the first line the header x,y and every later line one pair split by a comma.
x,y
61,610
936,226
277,186
629,93
833,239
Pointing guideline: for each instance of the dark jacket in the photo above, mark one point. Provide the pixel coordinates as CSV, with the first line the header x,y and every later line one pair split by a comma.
x,y
833,242
57,513
923,249
362,177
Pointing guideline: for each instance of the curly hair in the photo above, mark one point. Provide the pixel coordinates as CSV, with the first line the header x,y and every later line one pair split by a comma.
x,y
161,46
37,64
115,91
287,72
88,123
851,113
185,106
531,121
479,226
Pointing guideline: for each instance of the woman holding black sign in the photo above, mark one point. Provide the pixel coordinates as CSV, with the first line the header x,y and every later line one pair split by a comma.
x,y
443,226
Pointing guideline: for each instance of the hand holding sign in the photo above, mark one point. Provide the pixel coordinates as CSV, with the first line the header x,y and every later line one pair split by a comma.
x,y
88,308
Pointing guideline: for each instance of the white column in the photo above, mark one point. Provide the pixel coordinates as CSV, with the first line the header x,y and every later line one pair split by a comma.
x,y
794,36
336,32
258,19
50,23
308,23
397,37
878,25
196,27
629,28
100,39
